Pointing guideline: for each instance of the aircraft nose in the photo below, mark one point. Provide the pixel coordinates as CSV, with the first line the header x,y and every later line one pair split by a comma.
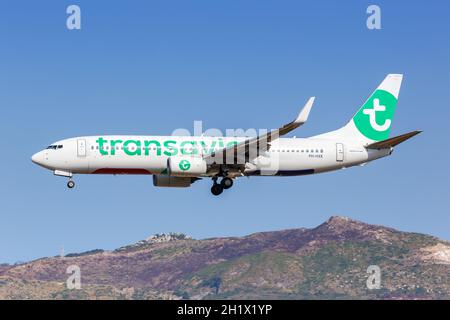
x,y
37,158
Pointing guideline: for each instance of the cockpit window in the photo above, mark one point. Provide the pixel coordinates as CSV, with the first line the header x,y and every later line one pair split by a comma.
x,y
54,146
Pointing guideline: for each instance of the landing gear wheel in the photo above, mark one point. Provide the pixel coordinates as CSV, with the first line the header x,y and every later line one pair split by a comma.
x,y
216,189
226,183
70,184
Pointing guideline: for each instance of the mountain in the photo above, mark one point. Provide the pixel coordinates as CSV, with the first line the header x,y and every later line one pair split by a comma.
x,y
326,262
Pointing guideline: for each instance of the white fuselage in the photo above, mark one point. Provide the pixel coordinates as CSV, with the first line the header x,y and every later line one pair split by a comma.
x,y
150,154
178,161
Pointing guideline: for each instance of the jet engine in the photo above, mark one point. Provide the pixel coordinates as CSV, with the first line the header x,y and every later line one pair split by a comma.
x,y
186,166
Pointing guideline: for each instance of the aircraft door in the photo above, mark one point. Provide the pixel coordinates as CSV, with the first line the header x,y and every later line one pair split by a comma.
x,y
339,152
81,148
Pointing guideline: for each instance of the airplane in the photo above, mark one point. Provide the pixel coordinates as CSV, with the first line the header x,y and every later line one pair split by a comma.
x,y
179,161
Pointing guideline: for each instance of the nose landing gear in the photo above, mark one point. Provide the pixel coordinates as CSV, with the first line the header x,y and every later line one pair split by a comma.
x,y
67,174
70,184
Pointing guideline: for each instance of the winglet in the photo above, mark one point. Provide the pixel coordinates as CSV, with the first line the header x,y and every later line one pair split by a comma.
x,y
303,115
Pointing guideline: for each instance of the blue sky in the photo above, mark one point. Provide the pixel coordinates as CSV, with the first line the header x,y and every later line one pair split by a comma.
x,y
149,67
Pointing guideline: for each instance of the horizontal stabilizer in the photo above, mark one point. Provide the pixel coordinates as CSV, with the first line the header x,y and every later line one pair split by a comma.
x,y
392,142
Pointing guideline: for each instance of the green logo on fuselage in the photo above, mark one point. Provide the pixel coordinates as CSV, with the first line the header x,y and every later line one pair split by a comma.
x,y
184,165
374,119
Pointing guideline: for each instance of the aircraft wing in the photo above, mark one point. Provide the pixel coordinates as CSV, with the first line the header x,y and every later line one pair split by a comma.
x,y
250,148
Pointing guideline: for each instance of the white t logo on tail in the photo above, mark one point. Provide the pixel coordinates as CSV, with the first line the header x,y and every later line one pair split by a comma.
x,y
373,118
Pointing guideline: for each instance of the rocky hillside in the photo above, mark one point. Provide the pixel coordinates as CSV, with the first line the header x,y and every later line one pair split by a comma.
x,y
329,261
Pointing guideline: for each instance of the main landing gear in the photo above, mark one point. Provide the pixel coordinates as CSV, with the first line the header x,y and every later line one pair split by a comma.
x,y
226,183
70,184
217,188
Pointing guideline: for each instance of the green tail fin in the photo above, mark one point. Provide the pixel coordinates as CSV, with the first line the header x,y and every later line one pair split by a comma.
x,y
374,119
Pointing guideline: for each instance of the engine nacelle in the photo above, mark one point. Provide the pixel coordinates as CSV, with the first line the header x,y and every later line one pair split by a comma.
x,y
186,166
160,180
